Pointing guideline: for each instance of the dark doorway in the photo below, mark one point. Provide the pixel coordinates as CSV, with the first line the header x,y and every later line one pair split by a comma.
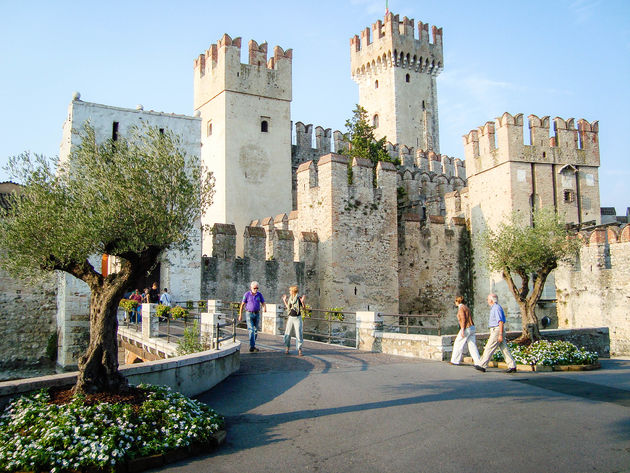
x,y
146,280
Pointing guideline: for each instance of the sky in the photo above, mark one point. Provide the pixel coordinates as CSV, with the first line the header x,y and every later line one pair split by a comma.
x,y
565,58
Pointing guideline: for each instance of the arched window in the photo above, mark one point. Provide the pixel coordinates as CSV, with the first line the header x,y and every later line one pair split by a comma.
x,y
407,78
209,128
375,121
264,126
376,84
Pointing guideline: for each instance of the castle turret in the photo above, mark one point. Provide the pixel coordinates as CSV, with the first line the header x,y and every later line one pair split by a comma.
x,y
246,130
396,73
505,175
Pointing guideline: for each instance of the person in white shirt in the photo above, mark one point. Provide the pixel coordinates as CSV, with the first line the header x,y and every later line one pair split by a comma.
x,y
165,298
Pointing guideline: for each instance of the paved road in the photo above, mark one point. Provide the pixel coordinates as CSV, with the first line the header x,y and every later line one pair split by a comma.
x,y
340,410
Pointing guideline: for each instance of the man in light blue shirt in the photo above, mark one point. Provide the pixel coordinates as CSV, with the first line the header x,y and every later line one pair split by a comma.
x,y
496,339
165,298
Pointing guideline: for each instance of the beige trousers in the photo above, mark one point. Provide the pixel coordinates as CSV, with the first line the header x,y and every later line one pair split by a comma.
x,y
491,347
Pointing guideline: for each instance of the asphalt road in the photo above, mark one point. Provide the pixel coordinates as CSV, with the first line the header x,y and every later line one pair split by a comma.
x,y
341,410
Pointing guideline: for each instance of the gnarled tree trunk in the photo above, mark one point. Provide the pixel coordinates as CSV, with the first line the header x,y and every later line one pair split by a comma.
x,y
527,302
98,368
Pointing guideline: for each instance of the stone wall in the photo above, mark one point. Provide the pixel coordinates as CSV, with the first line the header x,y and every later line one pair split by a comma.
x,y
356,225
269,259
595,291
429,266
27,320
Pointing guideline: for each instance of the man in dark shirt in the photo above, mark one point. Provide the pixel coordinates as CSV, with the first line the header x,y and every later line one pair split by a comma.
x,y
154,294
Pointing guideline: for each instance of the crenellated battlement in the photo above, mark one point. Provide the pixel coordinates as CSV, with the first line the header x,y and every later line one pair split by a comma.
x,y
502,141
226,46
330,177
605,235
392,43
326,141
220,68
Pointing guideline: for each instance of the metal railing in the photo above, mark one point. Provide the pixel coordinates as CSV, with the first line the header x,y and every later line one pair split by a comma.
x,y
334,324
174,329
405,323
227,335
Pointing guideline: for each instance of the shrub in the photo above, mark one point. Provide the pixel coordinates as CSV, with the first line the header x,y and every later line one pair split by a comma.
x,y
127,305
190,342
548,353
162,311
178,312
38,436
334,313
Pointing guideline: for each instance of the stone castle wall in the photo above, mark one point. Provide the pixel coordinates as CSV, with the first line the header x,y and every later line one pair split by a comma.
x,y
429,261
27,320
594,292
356,225
269,259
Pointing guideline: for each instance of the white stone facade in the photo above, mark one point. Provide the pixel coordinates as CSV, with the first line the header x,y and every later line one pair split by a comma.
x,y
180,271
246,131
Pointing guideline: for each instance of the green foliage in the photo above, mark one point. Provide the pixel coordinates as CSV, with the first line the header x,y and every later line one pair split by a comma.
x,y
362,142
178,312
128,305
545,352
203,305
162,311
334,313
51,346
525,249
119,198
306,311
38,436
465,263
190,342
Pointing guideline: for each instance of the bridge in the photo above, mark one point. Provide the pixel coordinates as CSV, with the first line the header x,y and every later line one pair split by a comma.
x,y
339,409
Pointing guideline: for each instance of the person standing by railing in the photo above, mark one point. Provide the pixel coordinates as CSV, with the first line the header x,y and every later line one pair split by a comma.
x,y
135,314
294,305
252,301
466,334
165,298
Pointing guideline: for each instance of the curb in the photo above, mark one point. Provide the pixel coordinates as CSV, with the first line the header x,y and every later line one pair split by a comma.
x,y
154,461
546,369
539,368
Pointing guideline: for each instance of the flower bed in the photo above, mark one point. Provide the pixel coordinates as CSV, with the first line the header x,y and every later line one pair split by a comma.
x,y
38,435
547,353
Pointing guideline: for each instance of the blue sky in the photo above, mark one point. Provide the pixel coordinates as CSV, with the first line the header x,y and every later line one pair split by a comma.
x,y
566,58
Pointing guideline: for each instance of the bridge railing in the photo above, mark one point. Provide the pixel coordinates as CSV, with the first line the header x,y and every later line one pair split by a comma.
x,y
426,324
337,327
208,330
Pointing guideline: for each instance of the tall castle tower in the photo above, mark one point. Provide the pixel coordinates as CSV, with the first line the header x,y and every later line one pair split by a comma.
x,y
397,74
245,131
505,175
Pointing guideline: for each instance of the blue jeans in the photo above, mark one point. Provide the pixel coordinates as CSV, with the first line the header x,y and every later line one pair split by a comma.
x,y
295,324
253,322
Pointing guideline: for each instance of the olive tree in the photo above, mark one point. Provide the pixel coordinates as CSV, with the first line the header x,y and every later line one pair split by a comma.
x,y
131,198
531,252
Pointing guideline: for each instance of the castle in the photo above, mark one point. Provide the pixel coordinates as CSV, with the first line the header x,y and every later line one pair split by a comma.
x,y
396,239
